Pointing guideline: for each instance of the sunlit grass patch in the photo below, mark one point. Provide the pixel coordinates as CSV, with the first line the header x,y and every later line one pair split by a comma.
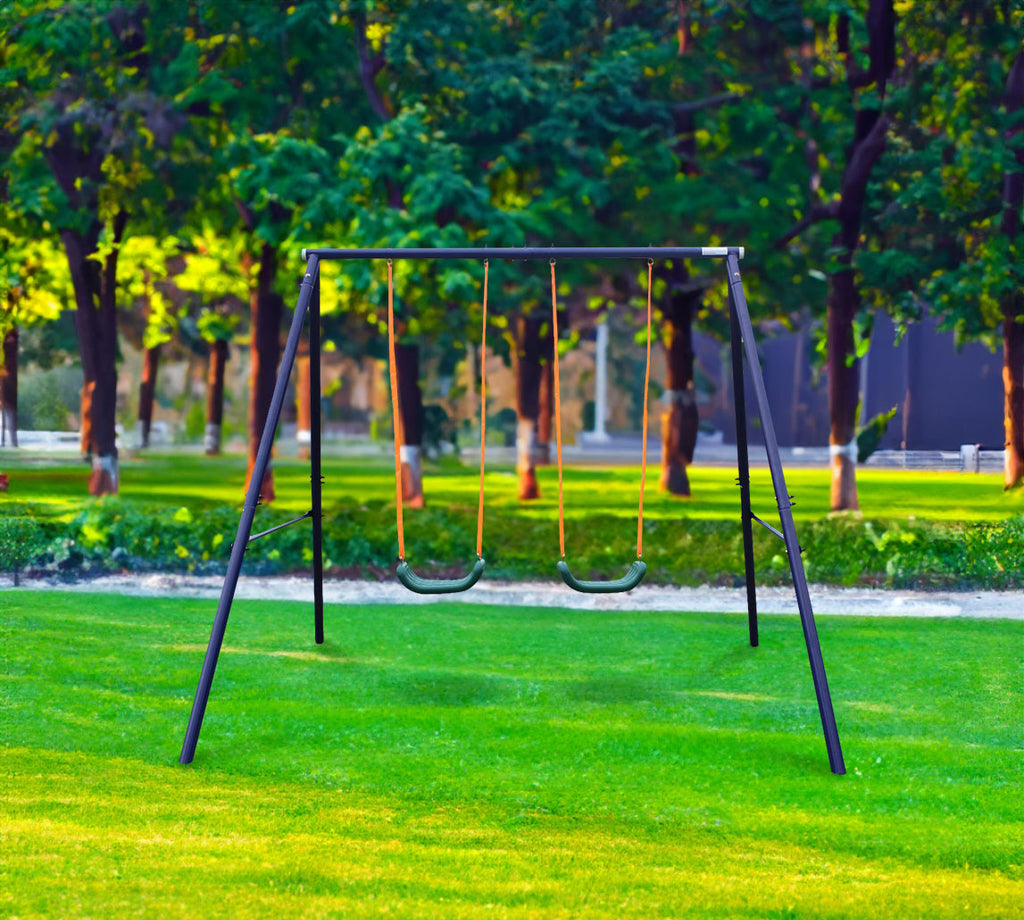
x,y
460,760
197,482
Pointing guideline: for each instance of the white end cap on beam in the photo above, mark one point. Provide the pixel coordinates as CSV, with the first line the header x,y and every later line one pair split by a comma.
x,y
718,251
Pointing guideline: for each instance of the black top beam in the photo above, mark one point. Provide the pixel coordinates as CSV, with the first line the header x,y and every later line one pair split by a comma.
x,y
535,252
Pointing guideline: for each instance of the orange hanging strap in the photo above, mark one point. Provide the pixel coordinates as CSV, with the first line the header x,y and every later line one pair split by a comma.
x,y
647,386
558,410
483,421
396,421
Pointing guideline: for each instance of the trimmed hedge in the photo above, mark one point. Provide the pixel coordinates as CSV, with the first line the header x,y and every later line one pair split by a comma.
x,y
360,541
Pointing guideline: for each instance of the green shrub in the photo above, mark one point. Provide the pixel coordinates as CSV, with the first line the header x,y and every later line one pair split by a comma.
x,y
195,422
46,398
21,542
360,540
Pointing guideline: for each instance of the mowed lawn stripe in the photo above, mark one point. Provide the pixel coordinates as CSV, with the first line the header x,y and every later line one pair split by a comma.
x,y
253,847
197,482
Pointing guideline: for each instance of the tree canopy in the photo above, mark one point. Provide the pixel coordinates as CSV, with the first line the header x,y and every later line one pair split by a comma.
x,y
868,145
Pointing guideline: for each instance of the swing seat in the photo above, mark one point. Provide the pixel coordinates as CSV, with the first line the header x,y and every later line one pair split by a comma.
x,y
405,574
638,569
628,582
422,585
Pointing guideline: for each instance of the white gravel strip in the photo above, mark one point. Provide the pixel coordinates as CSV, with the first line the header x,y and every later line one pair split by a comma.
x,y
827,601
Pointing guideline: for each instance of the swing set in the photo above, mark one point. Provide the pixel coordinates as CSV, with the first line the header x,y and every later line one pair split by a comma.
x,y
454,585
742,343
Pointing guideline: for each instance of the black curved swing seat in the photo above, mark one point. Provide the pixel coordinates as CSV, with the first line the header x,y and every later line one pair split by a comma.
x,y
638,569
406,575
628,582
422,585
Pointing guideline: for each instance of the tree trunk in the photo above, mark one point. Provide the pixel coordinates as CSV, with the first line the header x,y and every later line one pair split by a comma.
x,y
1013,389
546,405
1013,306
303,411
105,478
410,422
84,284
527,368
96,328
680,420
147,391
843,382
869,138
266,311
9,390
85,410
215,396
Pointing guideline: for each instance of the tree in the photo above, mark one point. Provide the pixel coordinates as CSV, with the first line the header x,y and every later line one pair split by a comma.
x,y
146,264
407,181
285,89
530,357
1012,296
213,274
32,278
8,328
844,100
551,111
948,227
268,194
100,107
632,122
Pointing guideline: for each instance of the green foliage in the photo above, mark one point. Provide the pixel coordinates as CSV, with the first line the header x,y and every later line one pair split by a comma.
x,y
870,436
195,422
143,272
98,105
48,345
214,268
439,431
44,397
21,541
936,226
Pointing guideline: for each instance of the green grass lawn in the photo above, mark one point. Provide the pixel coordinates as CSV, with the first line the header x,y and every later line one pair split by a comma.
x,y
198,482
458,760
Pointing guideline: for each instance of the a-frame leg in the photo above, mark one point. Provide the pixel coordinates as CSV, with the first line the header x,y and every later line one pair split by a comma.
x,y
315,477
252,498
743,472
738,302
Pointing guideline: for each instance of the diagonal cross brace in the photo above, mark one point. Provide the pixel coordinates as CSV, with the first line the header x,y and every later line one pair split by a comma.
x,y
227,594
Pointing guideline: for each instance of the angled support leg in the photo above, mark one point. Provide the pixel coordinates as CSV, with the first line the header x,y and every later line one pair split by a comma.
x,y
315,477
743,470
252,498
782,498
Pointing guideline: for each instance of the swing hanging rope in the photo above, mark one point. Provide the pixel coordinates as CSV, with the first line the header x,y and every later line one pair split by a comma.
x,y
638,569
647,386
410,579
483,420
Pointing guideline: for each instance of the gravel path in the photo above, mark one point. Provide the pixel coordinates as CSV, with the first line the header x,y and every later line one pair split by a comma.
x,y
827,601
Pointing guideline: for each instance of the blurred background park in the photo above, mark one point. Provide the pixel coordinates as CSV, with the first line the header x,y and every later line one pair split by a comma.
x,y
164,164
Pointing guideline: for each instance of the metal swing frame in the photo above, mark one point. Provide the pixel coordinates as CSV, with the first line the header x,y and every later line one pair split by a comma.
x,y
742,345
